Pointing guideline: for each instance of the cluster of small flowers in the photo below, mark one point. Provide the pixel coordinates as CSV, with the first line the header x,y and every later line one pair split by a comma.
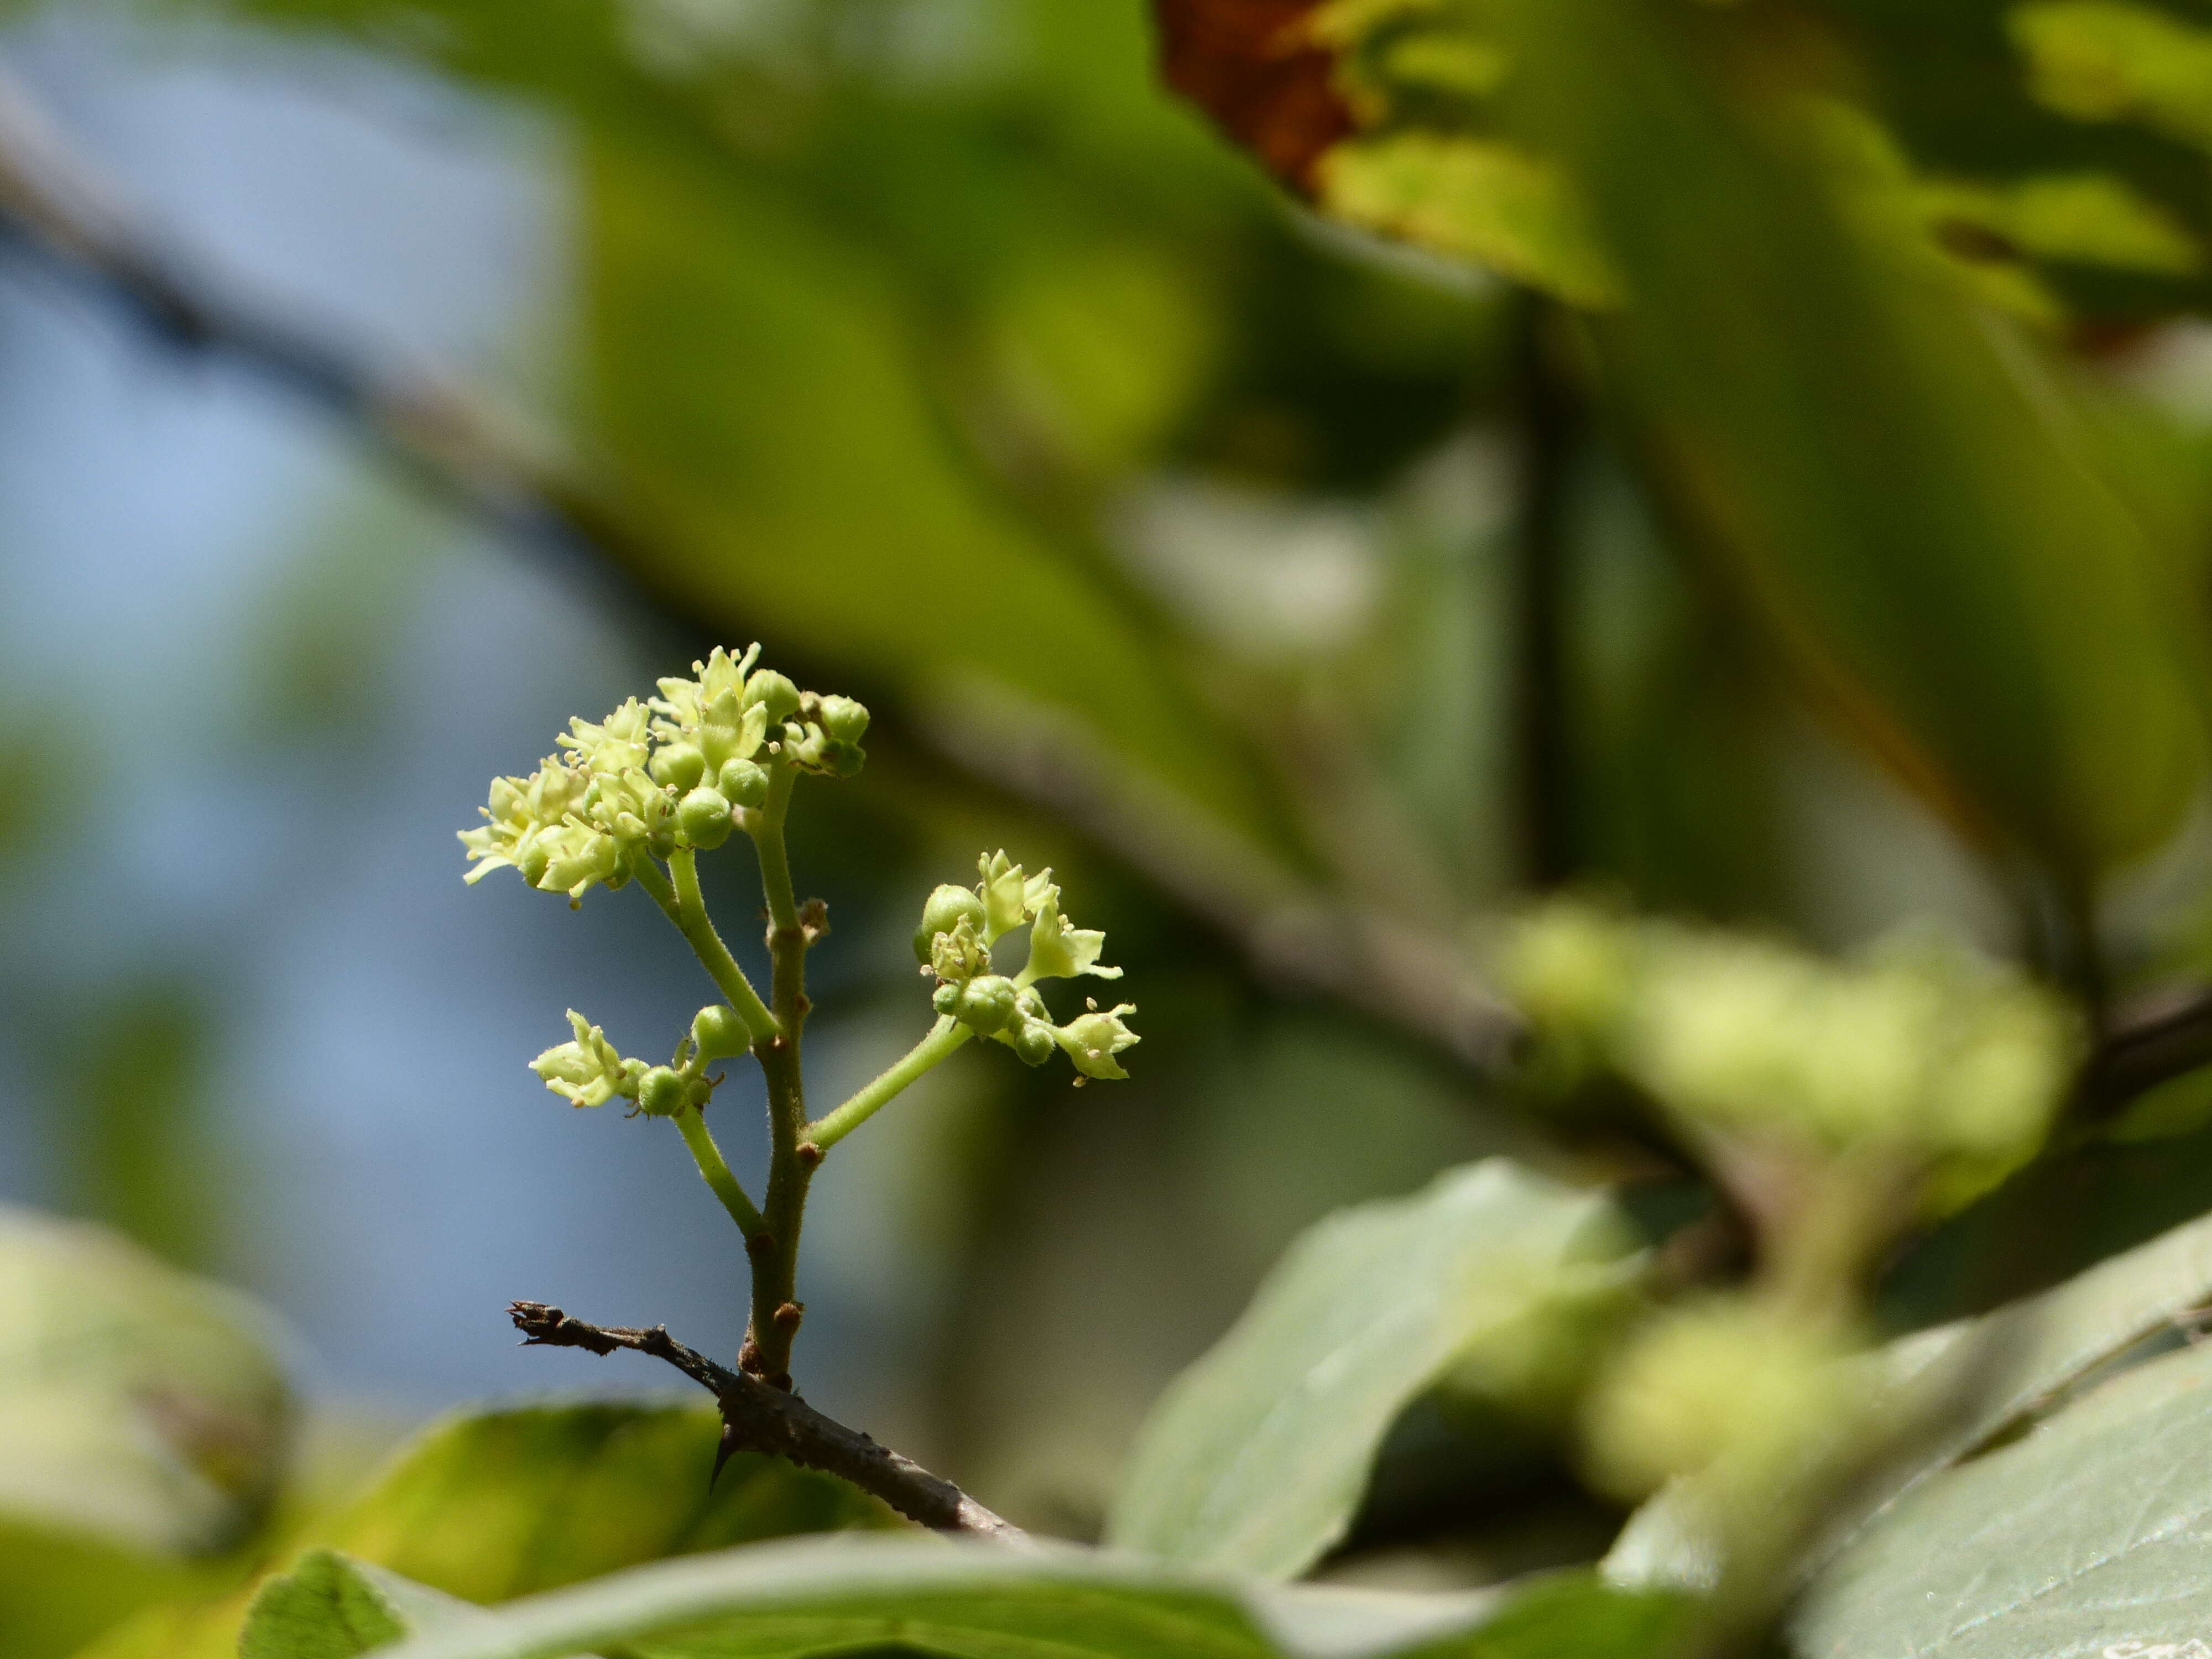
x,y
1751,1391
654,777
1917,1042
959,926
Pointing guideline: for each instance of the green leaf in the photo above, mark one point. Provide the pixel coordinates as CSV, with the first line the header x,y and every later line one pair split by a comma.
x,y
1477,200
826,496
144,1419
2012,1362
1256,1458
821,1596
332,1607
1570,1615
489,1505
2111,60
866,388
2030,1350
177,1630
2094,1531
1965,103
1903,492
2092,218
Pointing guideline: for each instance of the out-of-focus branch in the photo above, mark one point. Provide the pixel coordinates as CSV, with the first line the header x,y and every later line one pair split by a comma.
x,y
2137,1056
1551,427
1413,976
76,223
761,1419
72,219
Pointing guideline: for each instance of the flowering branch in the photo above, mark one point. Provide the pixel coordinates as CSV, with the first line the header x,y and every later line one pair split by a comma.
x,y
760,1419
637,797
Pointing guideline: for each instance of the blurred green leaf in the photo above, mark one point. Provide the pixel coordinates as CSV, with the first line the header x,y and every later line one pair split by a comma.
x,y
2179,1106
1898,488
2085,217
2111,60
2028,1352
177,1629
1475,199
1957,88
2090,1534
489,1505
486,1505
144,1418
822,1597
59,1589
331,1607
2014,1362
824,497
1901,493
1255,1459
1570,1615
857,356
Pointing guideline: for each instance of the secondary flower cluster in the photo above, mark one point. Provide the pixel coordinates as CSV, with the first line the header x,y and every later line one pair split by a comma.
x,y
959,926
1917,1043
656,777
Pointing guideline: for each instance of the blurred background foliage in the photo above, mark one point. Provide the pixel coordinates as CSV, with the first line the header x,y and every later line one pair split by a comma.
x,y
1751,461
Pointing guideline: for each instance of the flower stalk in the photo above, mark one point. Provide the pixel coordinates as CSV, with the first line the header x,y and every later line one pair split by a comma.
x,y
947,1035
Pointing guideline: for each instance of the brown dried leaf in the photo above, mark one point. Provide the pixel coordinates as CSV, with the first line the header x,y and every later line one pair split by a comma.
x,y
1249,64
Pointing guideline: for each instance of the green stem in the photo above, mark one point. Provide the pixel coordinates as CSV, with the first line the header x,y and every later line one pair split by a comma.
x,y
767,831
947,1035
687,907
716,1171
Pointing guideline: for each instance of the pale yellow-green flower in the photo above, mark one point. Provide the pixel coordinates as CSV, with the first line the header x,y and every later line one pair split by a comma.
x,y
587,1070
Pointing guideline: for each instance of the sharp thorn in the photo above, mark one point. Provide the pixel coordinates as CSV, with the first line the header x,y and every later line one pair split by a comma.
x,y
722,1453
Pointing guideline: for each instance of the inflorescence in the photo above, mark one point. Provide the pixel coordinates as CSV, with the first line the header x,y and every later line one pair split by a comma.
x,y
664,780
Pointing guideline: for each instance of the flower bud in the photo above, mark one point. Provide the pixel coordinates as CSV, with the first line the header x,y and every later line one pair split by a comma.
x,y
842,759
718,1033
743,782
774,691
663,1092
680,765
985,1003
844,720
704,818
1034,1041
802,745
942,913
